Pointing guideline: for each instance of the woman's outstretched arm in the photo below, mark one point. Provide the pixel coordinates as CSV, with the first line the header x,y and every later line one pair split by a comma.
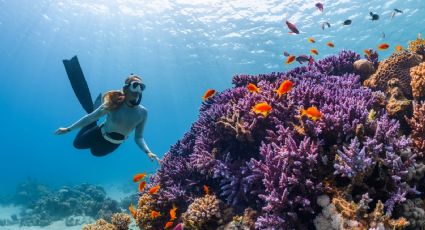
x,y
140,141
89,118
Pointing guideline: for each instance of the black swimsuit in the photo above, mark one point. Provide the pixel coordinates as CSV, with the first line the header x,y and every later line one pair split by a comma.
x,y
90,137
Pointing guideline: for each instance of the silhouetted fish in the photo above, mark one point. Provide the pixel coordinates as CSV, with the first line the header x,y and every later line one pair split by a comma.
x,y
395,12
324,24
292,27
319,6
373,16
347,22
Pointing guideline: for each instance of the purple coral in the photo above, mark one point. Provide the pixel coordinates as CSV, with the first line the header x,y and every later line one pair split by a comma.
x,y
277,164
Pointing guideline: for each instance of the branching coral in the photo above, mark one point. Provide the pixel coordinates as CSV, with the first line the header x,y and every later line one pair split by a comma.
x,y
121,221
100,224
417,46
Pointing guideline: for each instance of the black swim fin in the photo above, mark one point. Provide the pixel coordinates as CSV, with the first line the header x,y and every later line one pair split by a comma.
x,y
79,83
98,101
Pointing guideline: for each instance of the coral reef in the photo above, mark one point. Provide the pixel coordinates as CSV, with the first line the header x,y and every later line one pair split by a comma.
x,y
418,81
355,167
77,204
396,66
120,221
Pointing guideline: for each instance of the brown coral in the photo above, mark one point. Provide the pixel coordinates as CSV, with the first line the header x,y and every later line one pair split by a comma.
x,y
417,124
397,105
417,74
364,68
396,66
121,221
100,224
418,46
207,212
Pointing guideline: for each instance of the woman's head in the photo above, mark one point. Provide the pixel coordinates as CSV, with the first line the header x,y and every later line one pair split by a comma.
x,y
131,92
133,88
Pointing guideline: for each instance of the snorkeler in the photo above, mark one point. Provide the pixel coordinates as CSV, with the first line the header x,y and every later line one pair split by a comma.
x,y
123,110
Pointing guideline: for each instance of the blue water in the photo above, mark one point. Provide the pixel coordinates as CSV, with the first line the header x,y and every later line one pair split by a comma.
x,y
180,48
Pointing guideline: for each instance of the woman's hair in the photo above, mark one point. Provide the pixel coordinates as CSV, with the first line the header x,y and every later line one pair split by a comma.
x,y
115,98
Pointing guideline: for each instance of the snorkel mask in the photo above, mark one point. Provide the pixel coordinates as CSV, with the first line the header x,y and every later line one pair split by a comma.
x,y
136,87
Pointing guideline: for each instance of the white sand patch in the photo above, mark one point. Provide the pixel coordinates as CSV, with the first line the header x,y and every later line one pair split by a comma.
x,y
54,226
7,211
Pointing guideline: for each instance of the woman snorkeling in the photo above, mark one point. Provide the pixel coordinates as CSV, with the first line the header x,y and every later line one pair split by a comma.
x,y
124,114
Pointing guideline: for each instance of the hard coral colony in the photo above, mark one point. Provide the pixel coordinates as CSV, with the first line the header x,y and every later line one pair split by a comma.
x,y
352,167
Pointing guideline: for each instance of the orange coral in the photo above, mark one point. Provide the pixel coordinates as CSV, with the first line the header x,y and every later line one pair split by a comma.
x,y
143,215
417,46
417,74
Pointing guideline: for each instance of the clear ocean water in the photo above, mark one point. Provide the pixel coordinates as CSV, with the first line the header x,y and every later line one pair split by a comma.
x,y
180,48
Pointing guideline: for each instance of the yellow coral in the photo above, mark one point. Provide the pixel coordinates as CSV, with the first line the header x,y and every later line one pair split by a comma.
x,y
121,221
203,212
143,215
417,74
100,224
417,46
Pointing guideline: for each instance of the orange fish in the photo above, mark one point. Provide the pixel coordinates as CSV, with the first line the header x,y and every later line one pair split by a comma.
x,y
132,211
262,108
367,52
314,51
138,177
142,186
155,214
168,225
383,46
154,189
206,190
284,87
173,212
253,88
330,44
398,48
208,94
312,112
290,59
311,40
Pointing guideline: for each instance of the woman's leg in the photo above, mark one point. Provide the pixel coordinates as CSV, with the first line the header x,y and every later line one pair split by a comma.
x,y
102,147
84,138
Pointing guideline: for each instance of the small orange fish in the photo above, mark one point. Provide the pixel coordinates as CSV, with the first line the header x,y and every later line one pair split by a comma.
x,y
173,212
311,40
383,46
290,59
154,189
284,87
330,44
314,51
398,48
132,211
138,177
168,225
312,112
209,93
262,108
253,88
155,214
367,52
142,186
206,190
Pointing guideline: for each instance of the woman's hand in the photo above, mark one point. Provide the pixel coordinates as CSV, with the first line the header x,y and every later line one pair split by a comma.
x,y
62,131
153,157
